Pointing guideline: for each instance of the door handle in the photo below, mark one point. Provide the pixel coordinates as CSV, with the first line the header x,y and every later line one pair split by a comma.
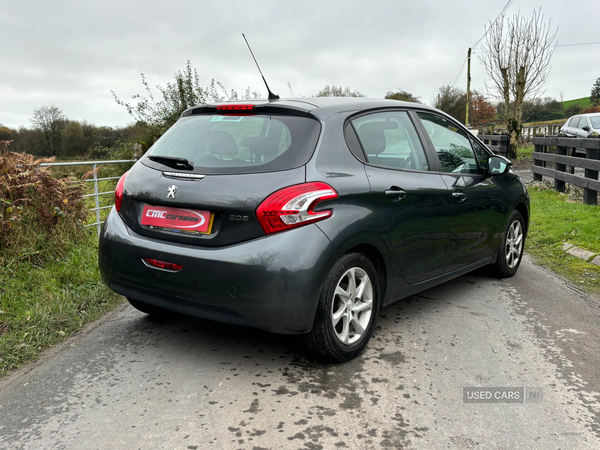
x,y
395,193
459,196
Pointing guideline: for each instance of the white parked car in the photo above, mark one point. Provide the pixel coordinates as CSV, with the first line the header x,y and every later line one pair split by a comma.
x,y
582,125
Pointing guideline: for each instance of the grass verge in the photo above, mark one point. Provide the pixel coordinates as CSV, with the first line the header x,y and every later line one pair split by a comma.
x,y
524,157
556,219
42,305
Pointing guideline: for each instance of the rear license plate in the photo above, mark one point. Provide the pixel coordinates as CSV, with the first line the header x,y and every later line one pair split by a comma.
x,y
177,219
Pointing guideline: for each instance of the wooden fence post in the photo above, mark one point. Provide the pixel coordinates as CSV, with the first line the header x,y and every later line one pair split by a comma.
x,y
590,197
540,149
559,185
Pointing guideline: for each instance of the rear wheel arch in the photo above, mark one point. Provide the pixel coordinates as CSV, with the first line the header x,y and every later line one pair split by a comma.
x,y
376,258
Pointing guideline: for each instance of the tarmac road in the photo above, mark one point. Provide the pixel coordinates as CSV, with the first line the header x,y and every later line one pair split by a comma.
x,y
130,382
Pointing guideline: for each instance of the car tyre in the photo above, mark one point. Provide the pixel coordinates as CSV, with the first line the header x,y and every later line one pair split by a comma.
x,y
154,311
347,310
511,252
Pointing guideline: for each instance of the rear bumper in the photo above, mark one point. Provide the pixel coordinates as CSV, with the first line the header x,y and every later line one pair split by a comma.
x,y
272,283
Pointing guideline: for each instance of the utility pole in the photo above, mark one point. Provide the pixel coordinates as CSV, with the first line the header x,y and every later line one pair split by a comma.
x,y
468,85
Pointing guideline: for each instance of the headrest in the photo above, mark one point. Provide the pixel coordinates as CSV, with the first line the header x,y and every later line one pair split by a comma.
x,y
261,145
372,136
221,143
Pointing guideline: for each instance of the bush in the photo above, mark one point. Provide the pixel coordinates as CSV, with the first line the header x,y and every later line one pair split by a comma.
x,y
39,214
574,110
49,281
591,109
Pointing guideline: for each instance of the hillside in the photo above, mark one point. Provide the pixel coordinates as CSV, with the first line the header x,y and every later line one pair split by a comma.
x,y
585,101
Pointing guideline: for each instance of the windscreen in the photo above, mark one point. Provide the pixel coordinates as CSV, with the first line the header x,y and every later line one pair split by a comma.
x,y
239,143
595,122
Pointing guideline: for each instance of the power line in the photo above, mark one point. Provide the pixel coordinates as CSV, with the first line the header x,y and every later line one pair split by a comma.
x,y
580,43
465,61
459,72
488,30
484,35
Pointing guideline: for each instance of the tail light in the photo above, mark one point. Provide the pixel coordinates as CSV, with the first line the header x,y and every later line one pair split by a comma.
x,y
119,192
294,206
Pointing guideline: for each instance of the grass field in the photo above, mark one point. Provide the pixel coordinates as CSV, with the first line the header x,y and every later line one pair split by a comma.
x,y
584,101
546,122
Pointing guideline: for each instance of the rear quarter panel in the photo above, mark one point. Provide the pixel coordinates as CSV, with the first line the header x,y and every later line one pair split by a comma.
x,y
353,222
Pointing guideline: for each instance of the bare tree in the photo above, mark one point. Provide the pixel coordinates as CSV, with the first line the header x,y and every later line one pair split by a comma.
x,y
517,54
51,121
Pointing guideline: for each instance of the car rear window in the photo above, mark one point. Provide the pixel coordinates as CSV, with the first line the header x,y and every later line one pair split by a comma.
x,y
574,122
239,143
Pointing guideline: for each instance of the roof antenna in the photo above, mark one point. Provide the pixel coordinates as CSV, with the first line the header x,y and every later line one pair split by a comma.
x,y
271,95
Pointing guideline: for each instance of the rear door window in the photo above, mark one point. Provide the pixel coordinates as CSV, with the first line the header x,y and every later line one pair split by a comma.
x,y
583,122
390,140
239,144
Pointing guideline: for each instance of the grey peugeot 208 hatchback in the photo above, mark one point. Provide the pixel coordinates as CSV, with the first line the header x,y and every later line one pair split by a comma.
x,y
307,215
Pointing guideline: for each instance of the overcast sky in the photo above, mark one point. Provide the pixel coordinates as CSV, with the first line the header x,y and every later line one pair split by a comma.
x,y
73,53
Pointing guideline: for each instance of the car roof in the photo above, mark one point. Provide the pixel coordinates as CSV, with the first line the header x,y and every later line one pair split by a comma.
x,y
586,115
320,106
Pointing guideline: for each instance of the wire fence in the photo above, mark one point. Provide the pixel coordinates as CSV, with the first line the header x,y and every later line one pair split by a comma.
x,y
97,186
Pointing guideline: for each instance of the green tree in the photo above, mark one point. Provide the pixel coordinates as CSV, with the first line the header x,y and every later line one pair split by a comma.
x,y
453,101
337,91
160,112
541,109
595,93
51,121
74,142
6,134
30,141
403,96
573,110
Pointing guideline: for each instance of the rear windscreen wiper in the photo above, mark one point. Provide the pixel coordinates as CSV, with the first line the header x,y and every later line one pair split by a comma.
x,y
172,161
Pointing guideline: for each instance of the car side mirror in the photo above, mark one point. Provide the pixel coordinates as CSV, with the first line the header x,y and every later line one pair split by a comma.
x,y
498,165
586,128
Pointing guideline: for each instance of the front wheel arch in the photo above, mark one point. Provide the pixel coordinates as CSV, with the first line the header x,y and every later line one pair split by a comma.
x,y
501,267
522,208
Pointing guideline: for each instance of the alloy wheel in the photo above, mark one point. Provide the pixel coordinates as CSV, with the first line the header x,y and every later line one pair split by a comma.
x,y
514,244
352,305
